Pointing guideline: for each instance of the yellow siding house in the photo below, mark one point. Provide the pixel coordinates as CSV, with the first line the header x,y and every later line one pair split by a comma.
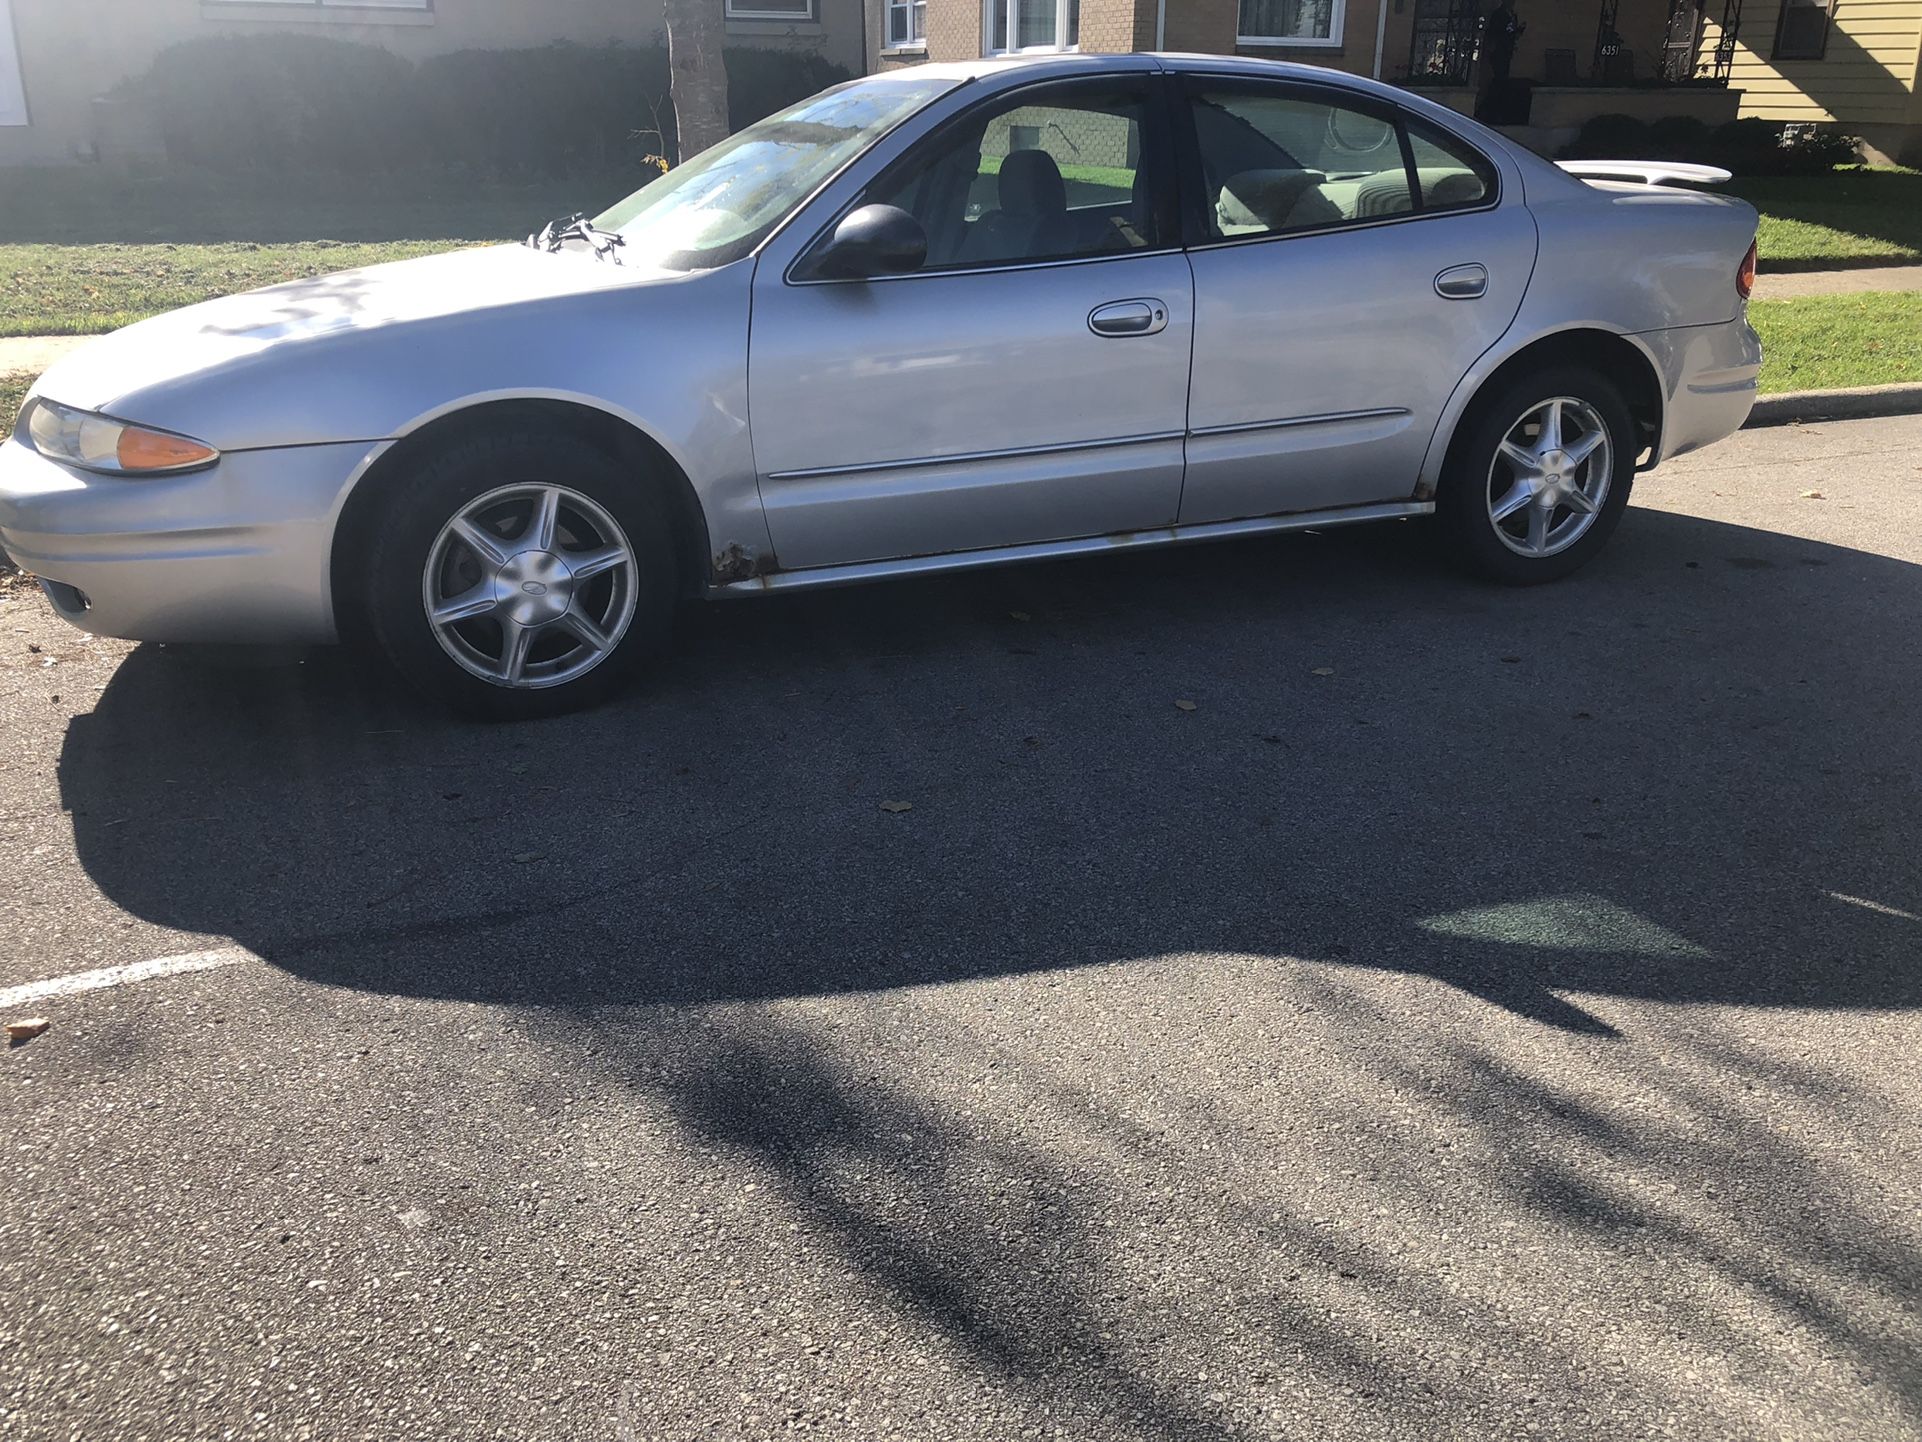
x,y
1854,63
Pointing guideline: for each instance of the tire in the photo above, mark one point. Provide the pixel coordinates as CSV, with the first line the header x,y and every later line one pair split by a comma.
x,y
524,636
1483,477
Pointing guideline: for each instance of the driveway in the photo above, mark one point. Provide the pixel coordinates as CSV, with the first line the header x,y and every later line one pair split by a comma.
x,y
1483,1014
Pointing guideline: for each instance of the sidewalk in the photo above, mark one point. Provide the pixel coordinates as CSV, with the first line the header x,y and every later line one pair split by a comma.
x,y
33,354
1794,285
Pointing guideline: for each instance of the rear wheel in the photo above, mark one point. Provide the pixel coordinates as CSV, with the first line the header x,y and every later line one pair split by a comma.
x,y
521,575
1541,477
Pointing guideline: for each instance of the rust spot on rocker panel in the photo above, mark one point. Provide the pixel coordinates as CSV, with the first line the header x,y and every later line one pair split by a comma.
x,y
742,563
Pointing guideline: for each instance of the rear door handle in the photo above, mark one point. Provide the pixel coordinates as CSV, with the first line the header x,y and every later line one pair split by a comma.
x,y
1129,317
1462,282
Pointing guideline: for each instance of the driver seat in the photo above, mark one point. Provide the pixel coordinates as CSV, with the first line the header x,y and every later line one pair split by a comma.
x,y
1031,219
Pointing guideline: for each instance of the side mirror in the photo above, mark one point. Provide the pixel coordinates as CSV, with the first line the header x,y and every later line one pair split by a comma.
x,y
874,240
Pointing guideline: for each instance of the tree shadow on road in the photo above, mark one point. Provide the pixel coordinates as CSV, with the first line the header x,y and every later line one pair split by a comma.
x,y
1677,777
1686,776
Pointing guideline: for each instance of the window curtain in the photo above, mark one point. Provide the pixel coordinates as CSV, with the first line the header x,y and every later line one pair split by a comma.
x,y
1288,19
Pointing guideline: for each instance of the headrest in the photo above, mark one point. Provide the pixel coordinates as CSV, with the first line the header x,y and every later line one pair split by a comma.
x,y
1031,184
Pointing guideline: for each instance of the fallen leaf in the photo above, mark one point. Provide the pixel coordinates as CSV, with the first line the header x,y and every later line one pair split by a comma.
x,y
1323,671
1019,616
526,856
1813,496
27,1029
1184,705
897,806
517,768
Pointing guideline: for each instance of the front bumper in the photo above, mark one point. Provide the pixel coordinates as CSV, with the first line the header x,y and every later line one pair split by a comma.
x,y
238,552
1709,373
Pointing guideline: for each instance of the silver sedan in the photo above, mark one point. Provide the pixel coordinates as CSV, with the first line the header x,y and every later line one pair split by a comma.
x,y
943,317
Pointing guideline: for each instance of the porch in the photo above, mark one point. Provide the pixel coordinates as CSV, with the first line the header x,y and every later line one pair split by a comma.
x,y
1539,69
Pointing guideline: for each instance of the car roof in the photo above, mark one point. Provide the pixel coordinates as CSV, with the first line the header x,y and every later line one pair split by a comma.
x,y
1015,69
1026,66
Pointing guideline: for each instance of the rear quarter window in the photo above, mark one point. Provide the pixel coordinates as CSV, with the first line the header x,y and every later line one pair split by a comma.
x,y
1448,174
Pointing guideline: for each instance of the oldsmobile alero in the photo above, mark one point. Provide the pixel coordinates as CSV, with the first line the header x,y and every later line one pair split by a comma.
x,y
947,316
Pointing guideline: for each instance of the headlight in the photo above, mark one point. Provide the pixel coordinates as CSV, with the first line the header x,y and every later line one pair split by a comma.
x,y
100,443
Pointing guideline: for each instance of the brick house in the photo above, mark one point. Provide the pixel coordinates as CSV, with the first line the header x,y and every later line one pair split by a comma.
x,y
56,56
1852,62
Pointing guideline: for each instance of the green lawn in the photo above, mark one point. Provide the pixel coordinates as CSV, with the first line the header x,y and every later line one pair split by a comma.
x,y
91,289
1827,341
83,251
12,389
1853,217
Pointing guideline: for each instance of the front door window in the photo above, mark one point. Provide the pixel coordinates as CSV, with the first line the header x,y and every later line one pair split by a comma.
x,y
1052,174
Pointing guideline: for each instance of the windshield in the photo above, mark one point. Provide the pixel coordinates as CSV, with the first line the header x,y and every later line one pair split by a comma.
x,y
725,201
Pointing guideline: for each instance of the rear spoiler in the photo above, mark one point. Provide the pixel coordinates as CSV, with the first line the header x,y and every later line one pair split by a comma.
x,y
1646,172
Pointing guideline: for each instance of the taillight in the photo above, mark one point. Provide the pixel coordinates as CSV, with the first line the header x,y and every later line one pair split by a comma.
x,y
1745,277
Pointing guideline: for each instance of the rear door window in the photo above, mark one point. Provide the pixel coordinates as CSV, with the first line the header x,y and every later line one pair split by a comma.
x,y
1276,161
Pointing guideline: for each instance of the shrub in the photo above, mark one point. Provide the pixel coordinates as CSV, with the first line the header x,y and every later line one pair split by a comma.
x,y
234,103
1610,137
760,81
1773,147
1679,137
306,103
1746,147
566,108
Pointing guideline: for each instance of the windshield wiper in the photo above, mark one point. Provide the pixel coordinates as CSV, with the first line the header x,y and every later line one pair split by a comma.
x,y
556,233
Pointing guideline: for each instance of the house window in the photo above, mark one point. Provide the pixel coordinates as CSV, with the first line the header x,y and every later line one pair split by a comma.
x,y
907,24
1802,33
335,4
770,9
1290,22
1016,25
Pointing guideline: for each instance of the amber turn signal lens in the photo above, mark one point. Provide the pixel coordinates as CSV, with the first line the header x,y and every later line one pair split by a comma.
x,y
140,450
1745,277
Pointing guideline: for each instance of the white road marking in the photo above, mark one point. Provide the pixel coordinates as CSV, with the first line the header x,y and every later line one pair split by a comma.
x,y
1876,906
120,975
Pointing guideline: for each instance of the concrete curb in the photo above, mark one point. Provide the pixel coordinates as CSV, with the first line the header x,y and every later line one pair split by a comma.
x,y
1791,407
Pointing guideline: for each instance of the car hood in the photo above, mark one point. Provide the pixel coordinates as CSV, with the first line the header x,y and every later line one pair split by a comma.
x,y
138,373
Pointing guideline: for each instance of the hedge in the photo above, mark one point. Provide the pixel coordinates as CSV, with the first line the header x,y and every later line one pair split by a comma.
x,y
1746,147
264,103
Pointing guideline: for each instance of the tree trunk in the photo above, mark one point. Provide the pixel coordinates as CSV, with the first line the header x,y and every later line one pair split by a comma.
x,y
697,74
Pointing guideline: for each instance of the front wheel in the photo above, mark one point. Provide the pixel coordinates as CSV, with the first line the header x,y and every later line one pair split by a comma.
x,y
1541,477
521,575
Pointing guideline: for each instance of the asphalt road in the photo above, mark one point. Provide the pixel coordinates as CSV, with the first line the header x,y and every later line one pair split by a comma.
x,y
1484,1014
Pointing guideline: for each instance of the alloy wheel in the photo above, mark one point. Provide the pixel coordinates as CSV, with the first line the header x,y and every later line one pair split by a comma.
x,y
1550,477
530,586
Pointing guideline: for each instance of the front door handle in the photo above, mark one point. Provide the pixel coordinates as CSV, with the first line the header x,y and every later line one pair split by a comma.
x,y
1462,282
1129,317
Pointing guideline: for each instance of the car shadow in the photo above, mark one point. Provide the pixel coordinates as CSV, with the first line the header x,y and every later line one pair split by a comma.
x,y
1687,774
